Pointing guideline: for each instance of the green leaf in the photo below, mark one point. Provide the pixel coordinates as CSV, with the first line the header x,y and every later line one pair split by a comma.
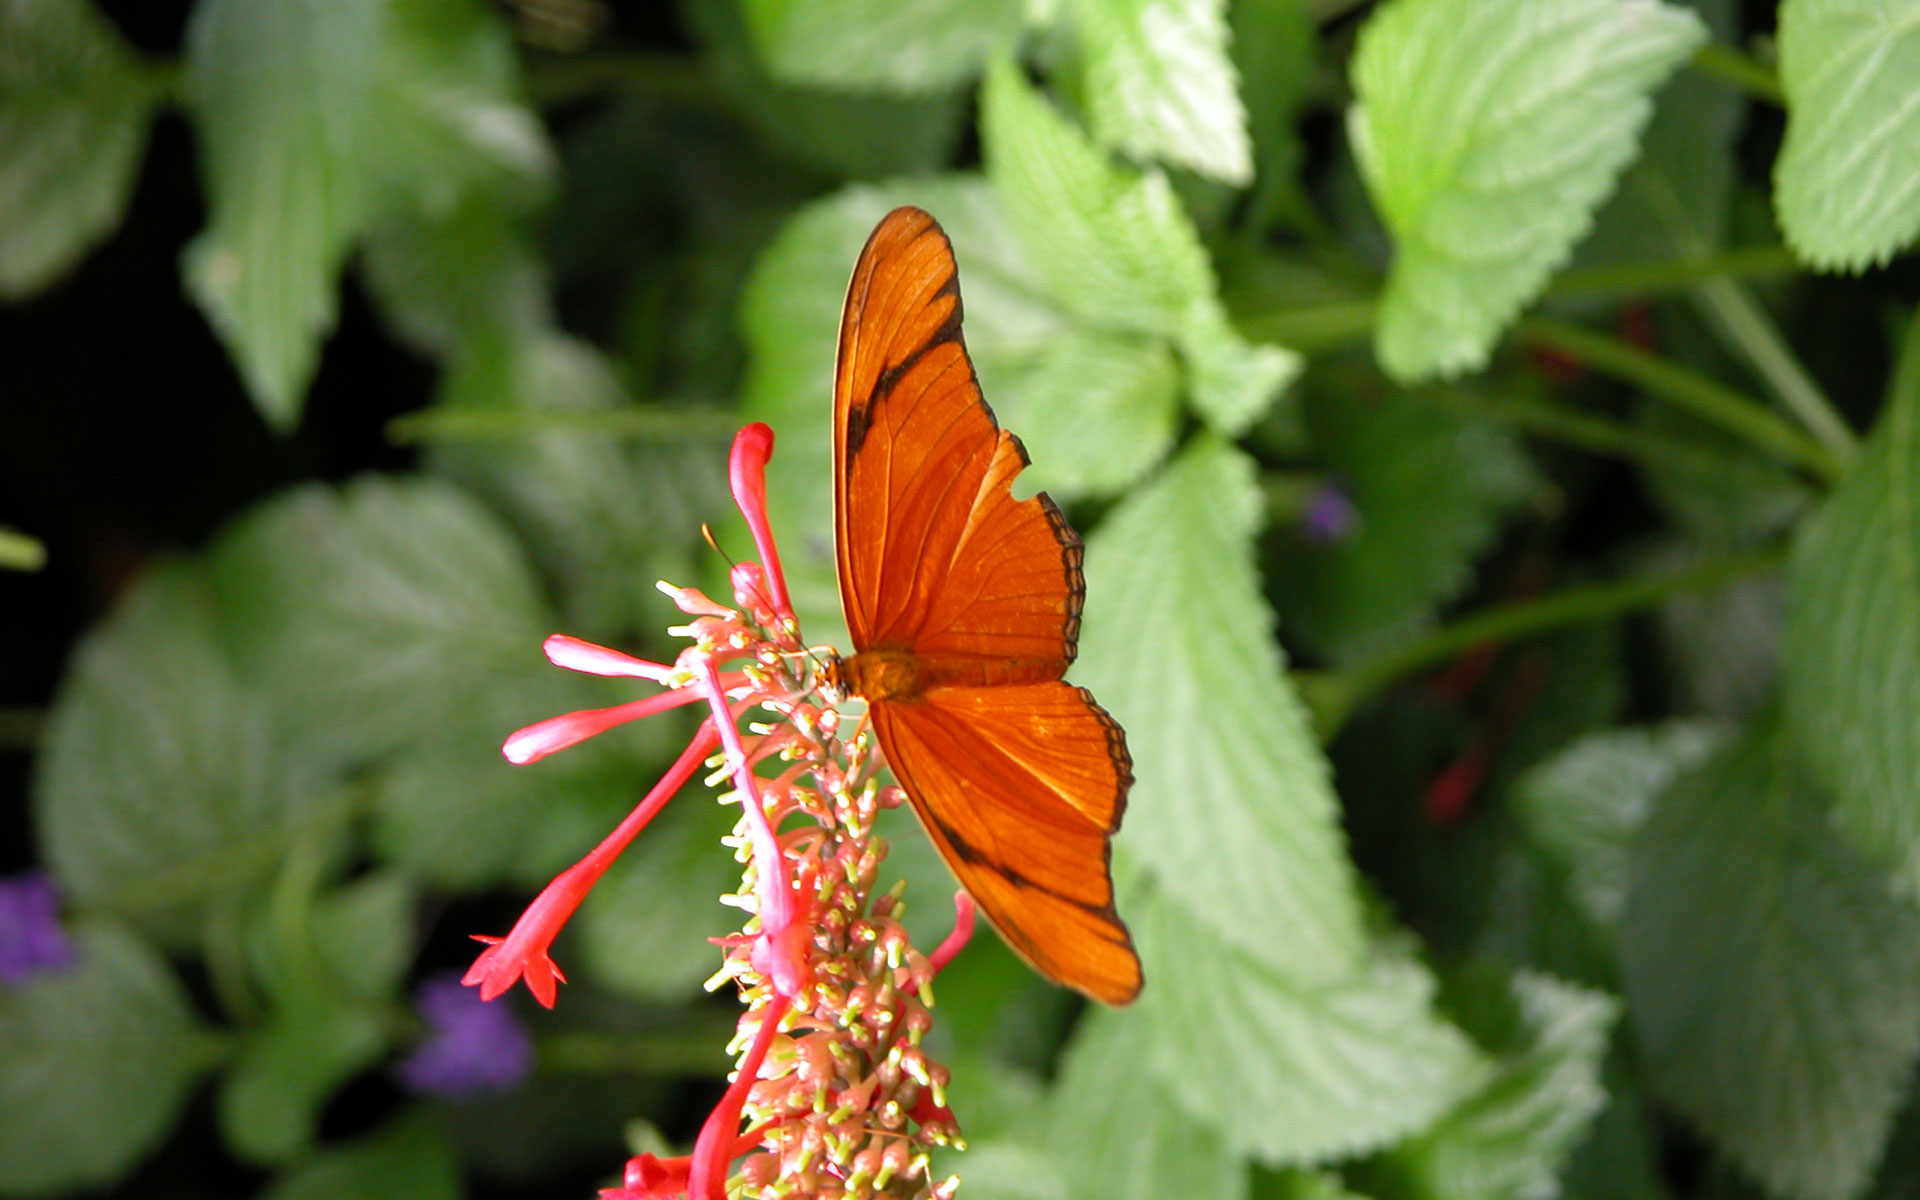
x,y
881,45
1853,635
383,614
1232,807
1159,84
1288,1071
283,102
100,1060
1274,51
1101,408
1774,981
164,777
1723,646
74,107
408,1158
364,933
645,928
1111,1131
1509,1141
1847,182
1117,251
1432,491
1584,805
1488,132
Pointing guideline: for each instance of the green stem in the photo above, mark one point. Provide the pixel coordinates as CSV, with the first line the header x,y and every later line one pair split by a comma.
x,y
1622,280
1334,695
489,424
223,944
1753,333
1597,434
1704,398
1313,328
1743,72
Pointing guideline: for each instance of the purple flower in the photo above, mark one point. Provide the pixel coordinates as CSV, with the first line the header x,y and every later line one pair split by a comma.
x,y
1329,516
471,1046
31,940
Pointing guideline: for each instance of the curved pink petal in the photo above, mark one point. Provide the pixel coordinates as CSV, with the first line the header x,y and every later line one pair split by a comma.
x,y
577,655
747,472
542,738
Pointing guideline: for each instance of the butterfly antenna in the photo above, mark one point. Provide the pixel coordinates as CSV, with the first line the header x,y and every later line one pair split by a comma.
x,y
706,532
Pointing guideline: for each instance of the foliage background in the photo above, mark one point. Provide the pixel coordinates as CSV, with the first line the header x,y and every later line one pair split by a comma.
x,y
1495,425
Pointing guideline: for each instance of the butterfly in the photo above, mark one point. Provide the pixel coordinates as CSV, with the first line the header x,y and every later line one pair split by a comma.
x,y
963,604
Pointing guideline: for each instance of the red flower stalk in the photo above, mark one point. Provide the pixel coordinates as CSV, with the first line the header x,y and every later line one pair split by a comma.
x,y
839,1099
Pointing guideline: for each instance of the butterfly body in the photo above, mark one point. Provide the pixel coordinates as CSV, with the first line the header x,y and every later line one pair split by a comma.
x,y
963,604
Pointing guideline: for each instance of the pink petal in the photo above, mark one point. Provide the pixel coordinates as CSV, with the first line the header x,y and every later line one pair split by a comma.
x,y
577,655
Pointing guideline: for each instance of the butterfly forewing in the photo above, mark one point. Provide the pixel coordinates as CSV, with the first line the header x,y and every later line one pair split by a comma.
x,y
973,598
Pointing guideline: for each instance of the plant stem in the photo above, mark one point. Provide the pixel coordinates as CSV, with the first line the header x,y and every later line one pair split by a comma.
x,y
1726,65
492,424
1754,334
1597,434
1620,280
1703,397
1334,695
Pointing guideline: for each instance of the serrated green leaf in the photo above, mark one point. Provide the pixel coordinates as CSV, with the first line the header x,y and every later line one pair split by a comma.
x,y
1847,182
164,778
100,1059
645,928
1488,132
1508,1142
382,614
1117,251
881,45
1584,805
1288,1071
1431,490
1853,635
1774,980
1159,84
283,105
1232,808
1111,1131
74,107
409,1158
1101,407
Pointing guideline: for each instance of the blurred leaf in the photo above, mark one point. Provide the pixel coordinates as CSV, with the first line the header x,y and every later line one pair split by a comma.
x,y
383,614
1297,1184
1488,133
442,279
1431,490
1723,645
1853,636
1159,84
283,99
99,1062
856,135
1232,810
408,1158
1291,1071
1774,981
1102,408
891,45
645,928
1585,805
1674,199
1845,180
1111,1130
1117,250
1273,44
74,107
1508,1142
364,932
163,777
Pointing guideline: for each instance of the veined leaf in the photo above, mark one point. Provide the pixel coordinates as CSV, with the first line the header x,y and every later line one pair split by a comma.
x,y
1117,251
1102,408
100,1060
1508,1142
1848,177
283,106
1288,1071
1159,84
1773,979
1853,635
1488,131
160,762
74,107
896,45
1232,808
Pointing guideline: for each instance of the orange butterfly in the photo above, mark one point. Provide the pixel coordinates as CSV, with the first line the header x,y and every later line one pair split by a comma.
x,y
964,606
